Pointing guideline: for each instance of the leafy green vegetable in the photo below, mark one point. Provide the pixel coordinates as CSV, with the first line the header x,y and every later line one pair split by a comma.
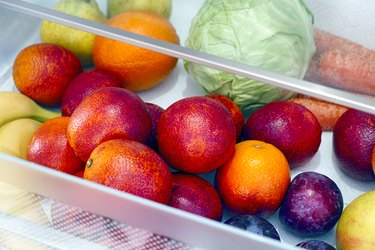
x,y
275,35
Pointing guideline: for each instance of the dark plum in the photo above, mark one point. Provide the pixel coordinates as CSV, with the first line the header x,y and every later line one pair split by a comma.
x,y
312,205
254,224
315,245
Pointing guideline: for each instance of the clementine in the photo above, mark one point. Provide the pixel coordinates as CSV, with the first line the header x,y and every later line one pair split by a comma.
x,y
131,167
138,68
255,180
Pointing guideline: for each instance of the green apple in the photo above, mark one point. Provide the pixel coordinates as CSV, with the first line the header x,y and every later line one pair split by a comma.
x,y
78,41
356,226
115,7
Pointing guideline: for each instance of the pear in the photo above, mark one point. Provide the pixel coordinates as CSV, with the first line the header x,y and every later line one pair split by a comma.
x,y
162,7
78,41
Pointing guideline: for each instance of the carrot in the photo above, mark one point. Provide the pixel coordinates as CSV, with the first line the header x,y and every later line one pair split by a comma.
x,y
327,113
341,63
312,73
347,71
326,41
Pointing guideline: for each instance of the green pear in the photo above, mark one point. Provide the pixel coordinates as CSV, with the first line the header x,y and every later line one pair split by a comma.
x,y
115,7
78,41
356,226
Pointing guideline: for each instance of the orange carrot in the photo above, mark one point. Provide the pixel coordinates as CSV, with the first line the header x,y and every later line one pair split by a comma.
x,y
343,64
327,113
347,71
326,41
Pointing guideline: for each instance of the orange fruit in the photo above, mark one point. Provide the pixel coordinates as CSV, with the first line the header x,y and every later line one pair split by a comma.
x,y
138,68
196,195
255,180
49,147
43,71
131,167
196,135
353,140
234,110
289,126
108,113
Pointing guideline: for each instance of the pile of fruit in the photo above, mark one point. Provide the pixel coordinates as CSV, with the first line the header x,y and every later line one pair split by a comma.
x,y
105,133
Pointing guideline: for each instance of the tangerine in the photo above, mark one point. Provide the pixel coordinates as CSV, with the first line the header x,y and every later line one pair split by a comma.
x,y
255,180
138,68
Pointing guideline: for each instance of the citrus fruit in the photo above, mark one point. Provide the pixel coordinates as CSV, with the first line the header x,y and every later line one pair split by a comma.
x,y
43,71
84,84
353,144
108,113
49,147
138,68
234,111
131,167
289,126
155,112
255,180
196,134
196,195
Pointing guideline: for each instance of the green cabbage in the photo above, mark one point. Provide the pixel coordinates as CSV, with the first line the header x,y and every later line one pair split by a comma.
x,y
275,35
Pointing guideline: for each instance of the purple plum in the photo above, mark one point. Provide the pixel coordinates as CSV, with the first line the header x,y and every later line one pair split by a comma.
x,y
315,245
255,224
312,205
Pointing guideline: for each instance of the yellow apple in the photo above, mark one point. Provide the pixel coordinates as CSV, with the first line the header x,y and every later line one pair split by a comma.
x,y
356,226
